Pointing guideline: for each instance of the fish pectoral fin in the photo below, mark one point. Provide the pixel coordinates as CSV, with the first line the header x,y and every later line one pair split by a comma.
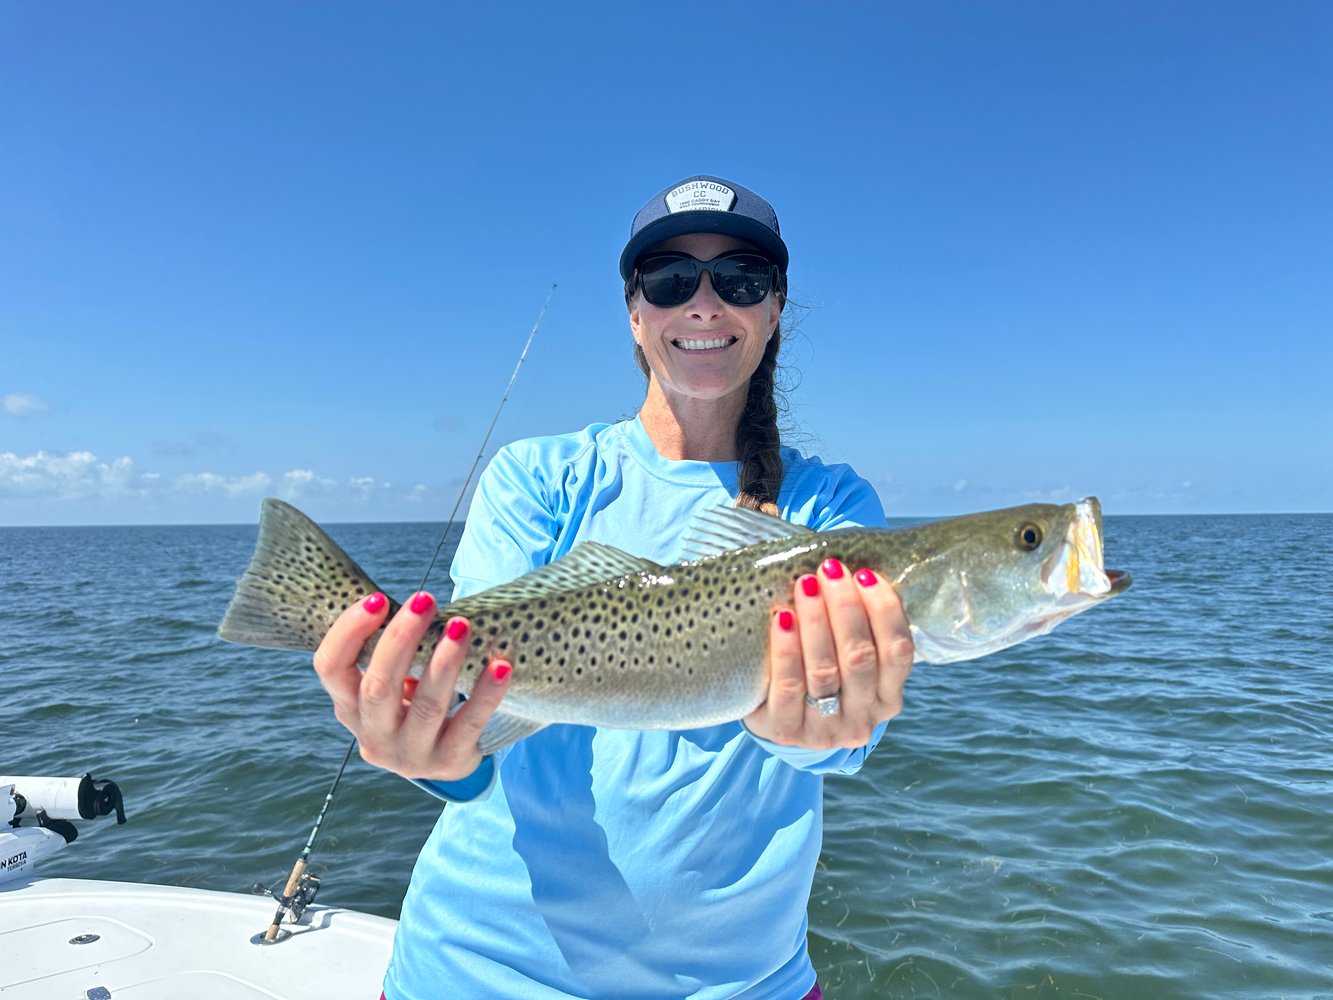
x,y
586,564
504,729
724,528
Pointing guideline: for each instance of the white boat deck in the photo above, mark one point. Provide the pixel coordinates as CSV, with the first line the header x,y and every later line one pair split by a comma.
x,y
158,942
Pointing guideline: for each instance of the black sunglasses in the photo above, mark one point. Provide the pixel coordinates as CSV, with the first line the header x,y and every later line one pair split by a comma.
x,y
740,277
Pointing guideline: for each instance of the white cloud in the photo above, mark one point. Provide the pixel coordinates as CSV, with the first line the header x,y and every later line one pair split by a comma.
x,y
210,482
20,404
75,476
959,486
298,483
80,475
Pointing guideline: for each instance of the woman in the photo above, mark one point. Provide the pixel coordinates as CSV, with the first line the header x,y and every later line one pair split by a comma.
x,y
626,864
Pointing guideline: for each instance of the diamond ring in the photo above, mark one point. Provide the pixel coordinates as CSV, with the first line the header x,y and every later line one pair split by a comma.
x,y
828,705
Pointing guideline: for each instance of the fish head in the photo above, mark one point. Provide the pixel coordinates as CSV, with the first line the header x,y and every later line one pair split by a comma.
x,y
1005,576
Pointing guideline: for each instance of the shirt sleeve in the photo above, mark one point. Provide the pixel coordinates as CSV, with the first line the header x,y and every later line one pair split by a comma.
x,y
842,500
510,530
837,761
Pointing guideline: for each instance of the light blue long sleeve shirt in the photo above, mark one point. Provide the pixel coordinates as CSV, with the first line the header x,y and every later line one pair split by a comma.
x,y
612,863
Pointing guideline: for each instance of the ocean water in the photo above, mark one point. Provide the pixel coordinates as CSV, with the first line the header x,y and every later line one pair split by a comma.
x,y
1139,805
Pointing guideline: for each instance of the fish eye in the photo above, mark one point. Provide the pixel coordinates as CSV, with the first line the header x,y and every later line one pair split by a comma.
x,y
1028,537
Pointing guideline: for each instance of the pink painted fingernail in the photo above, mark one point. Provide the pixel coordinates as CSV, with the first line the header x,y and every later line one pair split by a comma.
x,y
786,620
500,670
374,603
810,584
833,569
456,629
866,577
421,603
409,687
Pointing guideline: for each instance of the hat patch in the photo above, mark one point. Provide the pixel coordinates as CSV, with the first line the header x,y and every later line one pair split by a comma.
x,y
697,196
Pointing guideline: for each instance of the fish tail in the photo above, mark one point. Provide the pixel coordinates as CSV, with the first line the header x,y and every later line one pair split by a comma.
x,y
298,582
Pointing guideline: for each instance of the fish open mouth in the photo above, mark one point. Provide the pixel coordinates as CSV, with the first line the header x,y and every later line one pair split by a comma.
x,y
1075,570
708,344
1120,580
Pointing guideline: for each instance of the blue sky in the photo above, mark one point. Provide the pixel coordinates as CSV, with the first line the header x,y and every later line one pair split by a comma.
x,y
1042,249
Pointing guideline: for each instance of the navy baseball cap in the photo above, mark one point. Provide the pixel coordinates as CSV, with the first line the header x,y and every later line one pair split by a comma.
x,y
704,204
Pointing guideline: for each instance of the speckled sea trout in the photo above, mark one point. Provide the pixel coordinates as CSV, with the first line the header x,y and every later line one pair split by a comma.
x,y
603,638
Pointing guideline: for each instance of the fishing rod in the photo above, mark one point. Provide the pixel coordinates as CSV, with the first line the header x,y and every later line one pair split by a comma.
x,y
482,450
301,887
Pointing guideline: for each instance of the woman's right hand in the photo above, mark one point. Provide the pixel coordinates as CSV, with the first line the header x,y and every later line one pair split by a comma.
x,y
400,729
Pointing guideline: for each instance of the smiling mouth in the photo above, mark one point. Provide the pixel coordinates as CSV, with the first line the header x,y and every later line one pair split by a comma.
x,y
704,345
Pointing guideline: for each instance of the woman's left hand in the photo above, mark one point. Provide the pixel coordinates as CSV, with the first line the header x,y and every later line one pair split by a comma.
x,y
848,647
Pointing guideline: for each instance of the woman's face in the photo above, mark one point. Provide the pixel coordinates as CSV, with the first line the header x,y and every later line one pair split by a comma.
x,y
704,349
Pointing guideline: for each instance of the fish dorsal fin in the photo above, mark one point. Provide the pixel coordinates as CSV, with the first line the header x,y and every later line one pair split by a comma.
x,y
725,528
586,564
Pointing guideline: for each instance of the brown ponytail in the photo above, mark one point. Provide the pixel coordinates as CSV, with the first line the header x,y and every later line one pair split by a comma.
x,y
758,440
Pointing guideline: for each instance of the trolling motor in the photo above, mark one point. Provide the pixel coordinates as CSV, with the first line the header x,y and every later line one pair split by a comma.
x,y
48,805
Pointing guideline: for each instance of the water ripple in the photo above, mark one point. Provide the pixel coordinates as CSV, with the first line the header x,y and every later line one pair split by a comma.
x,y
1134,806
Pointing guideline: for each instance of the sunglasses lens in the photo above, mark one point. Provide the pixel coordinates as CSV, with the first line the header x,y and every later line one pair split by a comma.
x,y
668,280
740,279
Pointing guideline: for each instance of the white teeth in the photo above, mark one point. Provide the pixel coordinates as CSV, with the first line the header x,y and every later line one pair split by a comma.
x,y
703,345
